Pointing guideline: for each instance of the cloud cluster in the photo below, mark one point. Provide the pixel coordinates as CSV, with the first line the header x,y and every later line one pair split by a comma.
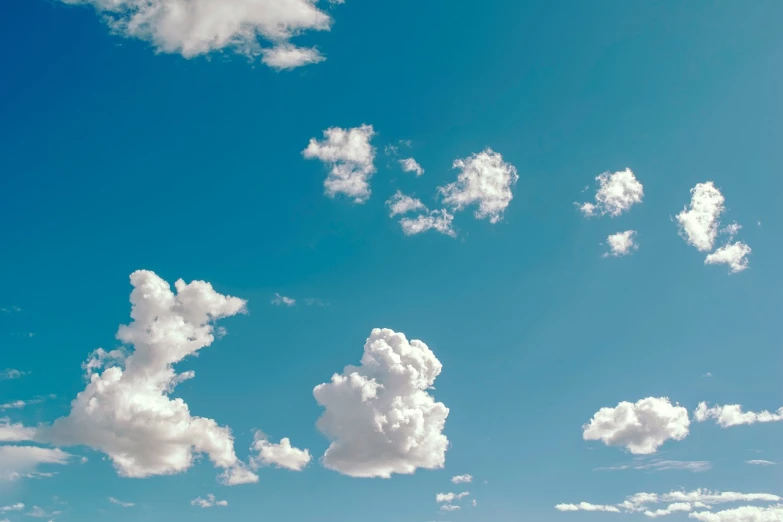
x,y
733,254
438,220
208,502
281,455
617,193
10,374
197,27
485,180
732,415
640,427
462,479
351,158
400,204
281,300
126,412
379,415
621,243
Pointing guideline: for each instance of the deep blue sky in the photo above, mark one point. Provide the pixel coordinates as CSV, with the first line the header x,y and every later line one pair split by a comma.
x,y
115,158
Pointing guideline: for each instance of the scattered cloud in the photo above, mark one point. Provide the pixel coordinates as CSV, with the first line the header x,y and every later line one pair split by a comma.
x,y
449,507
438,220
621,243
450,497
411,165
761,462
15,432
640,427
281,455
126,411
742,514
462,479
350,155
10,374
584,506
732,415
38,512
314,301
208,502
484,180
699,221
10,309
731,230
121,503
735,255
617,193
200,27
695,466
281,300
379,415
400,204
13,507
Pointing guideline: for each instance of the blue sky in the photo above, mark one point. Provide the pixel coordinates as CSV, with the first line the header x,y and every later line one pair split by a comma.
x,y
178,147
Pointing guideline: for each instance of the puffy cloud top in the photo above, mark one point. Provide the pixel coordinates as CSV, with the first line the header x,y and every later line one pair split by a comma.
x,y
699,222
617,193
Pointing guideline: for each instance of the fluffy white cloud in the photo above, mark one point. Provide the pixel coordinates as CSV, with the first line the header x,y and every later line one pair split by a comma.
x,y
121,503
462,479
283,300
208,502
732,415
197,27
450,497
641,427
400,204
438,220
281,455
734,254
617,193
22,461
677,507
621,243
126,412
742,514
584,506
411,165
699,222
15,432
14,507
287,56
485,180
350,155
379,416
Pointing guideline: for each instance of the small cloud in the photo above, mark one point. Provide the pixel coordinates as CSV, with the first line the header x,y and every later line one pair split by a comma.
x,y
621,244
281,300
411,165
314,301
38,512
449,507
707,375
695,466
462,479
10,309
735,255
617,193
11,374
121,503
761,463
208,502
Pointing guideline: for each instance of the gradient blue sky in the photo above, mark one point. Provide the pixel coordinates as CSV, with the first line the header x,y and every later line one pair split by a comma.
x,y
115,157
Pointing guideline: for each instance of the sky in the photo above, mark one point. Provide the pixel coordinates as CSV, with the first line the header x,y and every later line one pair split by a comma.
x,y
400,261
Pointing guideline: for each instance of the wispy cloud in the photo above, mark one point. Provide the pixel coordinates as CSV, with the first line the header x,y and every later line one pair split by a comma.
x,y
695,466
281,300
121,503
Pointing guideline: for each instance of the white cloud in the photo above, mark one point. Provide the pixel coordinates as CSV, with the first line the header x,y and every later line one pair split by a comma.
x,y
438,220
121,503
732,415
15,432
197,27
411,165
14,507
450,497
10,374
208,502
617,193
283,300
677,507
126,412
760,462
462,479
584,506
449,507
287,56
17,405
641,427
700,221
38,512
621,243
742,514
379,416
350,155
281,455
733,254
400,204
485,180
731,229
695,466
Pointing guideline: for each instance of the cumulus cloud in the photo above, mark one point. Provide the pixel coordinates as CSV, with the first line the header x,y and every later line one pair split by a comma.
x,y
22,461
485,180
462,479
450,497
617,193
411,165
281,455
126,411
13,507
379,415
677,507
208,502
400,204
621,243
584,506
640,427
10,374
742,514
15,432
351,158
732,415
281,300
438,220
198,27
699,222
734,254
121,503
